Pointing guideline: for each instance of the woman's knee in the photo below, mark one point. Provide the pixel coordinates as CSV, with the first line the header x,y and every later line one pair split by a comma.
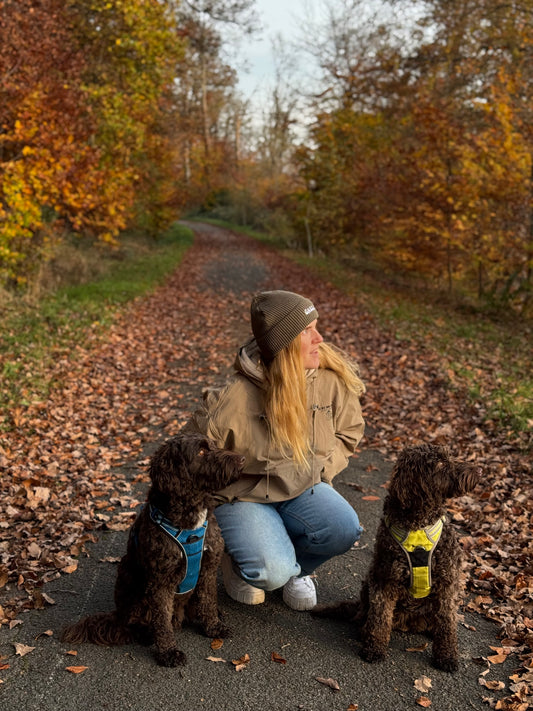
x,y
271,573
339,535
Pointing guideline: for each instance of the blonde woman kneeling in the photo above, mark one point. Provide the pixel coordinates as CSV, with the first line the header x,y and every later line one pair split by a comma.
x,y
292,409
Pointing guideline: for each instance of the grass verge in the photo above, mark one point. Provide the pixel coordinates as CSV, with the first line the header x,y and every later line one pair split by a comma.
x,y
35,334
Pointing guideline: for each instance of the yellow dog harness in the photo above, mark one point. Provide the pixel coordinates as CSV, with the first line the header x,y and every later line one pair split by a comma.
x,y
418,546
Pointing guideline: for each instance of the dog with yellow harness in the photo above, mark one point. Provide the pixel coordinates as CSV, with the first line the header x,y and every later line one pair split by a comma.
x,y
415,581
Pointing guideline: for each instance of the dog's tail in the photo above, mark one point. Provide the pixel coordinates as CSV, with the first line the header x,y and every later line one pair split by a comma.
x,y
343,610
103,628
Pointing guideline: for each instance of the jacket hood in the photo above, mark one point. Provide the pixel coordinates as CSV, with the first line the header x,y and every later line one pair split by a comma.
x,y
247,363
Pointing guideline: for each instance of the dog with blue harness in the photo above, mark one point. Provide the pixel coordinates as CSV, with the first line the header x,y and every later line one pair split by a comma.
x,y
169,572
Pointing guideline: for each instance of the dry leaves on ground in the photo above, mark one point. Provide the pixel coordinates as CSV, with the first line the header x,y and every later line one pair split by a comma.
x,y
70,466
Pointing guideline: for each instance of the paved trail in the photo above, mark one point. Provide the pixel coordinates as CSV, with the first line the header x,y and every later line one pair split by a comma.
x,y
227,270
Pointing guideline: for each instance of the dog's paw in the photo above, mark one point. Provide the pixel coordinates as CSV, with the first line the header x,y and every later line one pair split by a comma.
x,y
171,658
219,630
372,654
447,664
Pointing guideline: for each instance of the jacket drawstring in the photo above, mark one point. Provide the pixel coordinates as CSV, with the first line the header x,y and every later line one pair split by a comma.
x,y
313,417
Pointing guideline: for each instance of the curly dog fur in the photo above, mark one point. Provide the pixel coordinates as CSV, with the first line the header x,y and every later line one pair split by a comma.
x,y
423,478
184,473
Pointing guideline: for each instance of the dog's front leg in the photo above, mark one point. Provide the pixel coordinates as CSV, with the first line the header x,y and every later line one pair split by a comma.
x,y
167,653
203,606
377,629
445,645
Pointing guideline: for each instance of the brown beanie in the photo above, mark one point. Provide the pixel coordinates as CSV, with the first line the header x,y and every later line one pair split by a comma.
x,y
277,318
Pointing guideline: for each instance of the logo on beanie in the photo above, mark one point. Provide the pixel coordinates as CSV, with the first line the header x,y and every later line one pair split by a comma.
x,y
308,310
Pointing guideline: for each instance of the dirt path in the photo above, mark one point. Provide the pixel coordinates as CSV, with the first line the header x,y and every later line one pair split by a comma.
x,y
78,470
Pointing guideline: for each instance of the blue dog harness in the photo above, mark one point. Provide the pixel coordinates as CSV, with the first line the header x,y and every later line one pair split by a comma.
x,y
191,542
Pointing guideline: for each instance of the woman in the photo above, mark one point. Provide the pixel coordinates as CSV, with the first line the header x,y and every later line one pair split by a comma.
x,y
292,409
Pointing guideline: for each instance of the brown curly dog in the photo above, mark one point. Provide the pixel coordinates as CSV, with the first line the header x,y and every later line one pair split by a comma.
x,y
414,582
160,581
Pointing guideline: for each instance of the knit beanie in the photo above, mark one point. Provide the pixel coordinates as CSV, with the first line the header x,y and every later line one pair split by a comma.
x,y
277,318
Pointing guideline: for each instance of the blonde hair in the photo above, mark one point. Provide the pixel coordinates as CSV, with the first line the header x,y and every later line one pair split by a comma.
x,y
285,397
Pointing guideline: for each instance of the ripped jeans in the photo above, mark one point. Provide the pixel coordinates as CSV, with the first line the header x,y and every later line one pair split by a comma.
x,y
271,542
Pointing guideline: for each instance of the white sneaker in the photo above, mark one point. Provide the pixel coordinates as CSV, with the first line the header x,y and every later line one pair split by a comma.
x,y
237,588
300,593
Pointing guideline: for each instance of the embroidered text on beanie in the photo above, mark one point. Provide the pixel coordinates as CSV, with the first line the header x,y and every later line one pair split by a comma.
x,y
277,318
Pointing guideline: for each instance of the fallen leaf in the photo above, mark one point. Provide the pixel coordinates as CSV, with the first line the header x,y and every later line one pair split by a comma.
x,y
215,659
46,633
275,657
217,643
353,707
72,652
22,649
70,568
423,684
241,663
370,498
76,670
34,551
421,648
4,666
329,682
469,627
492,685
424,701
497,658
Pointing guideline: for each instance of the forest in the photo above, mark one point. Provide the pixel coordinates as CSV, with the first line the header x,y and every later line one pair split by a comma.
x,y
406,151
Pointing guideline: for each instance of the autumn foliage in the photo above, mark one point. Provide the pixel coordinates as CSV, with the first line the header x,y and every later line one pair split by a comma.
x,y
420,154
106,121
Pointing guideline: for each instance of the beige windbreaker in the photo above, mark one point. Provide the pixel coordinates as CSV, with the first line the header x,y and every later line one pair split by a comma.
x,y
233,417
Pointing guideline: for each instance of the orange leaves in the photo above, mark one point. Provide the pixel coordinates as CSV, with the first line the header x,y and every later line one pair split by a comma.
x,y
241,663
72,148
275,657
423,684
76,670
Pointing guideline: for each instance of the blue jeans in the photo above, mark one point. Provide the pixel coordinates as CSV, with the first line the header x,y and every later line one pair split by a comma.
x,y
271,542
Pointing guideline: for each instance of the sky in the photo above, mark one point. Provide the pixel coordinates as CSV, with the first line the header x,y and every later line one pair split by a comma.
x,y
277,17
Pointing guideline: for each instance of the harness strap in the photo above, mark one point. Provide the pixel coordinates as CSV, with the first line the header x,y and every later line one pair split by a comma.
x,y
418,546
191,542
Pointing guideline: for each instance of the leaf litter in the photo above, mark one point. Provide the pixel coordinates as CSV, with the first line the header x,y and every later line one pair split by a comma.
x,y
69,465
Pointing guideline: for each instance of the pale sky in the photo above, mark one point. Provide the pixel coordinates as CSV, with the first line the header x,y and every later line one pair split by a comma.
x,y
277,17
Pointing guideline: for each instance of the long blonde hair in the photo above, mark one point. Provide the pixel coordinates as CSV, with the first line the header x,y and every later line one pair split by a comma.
x,y
286,397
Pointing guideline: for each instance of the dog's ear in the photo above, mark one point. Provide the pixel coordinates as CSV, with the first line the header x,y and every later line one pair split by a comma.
x,y
168,465
409,480
462,478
